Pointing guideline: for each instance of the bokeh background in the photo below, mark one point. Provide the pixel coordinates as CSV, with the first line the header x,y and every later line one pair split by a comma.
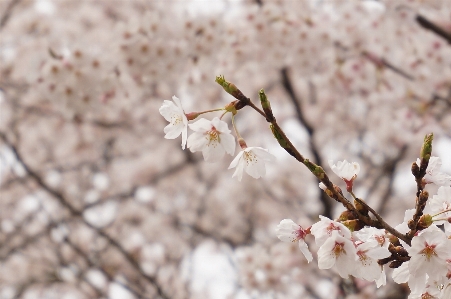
x,y
95,203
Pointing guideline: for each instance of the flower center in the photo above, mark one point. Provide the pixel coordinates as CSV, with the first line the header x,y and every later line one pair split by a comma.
x,y
176,119
299,234
428,251
338,249
363,258
380,240
331,228
213,136
427,296
250,157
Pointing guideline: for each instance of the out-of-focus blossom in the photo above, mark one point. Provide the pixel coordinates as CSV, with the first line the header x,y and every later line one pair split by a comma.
x,y
289,231
252,160
213,138
178,123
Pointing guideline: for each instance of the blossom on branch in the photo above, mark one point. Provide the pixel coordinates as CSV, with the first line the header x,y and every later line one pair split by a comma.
x,y
429,252
346,171
367,266
289,231
252,160
323,229
178,123
213,138
440,205
433,174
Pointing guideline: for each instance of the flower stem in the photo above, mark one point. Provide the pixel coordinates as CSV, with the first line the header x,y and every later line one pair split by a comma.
x,y
445,211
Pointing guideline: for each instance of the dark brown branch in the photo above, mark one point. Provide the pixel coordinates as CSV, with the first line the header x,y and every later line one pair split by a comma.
x,y
426,24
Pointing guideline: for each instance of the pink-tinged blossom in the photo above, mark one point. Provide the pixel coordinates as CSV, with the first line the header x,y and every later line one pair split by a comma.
x,y
178,123
213,138
346,171
429,252
368,254
289,231
323,229
252,160
340,252
433,174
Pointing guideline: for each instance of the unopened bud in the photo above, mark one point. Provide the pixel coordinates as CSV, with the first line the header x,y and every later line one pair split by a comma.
x,y
266,105
424,195
393,240
347,215
230,88
424,222
411,224
360,207
426,149
353,225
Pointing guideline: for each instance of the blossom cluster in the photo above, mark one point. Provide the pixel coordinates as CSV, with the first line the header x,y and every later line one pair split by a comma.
x,y
362,252
214,139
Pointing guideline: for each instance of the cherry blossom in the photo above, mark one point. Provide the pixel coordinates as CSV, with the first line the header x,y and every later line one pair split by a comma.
x,y
178,123
289,231
367,266
346,171
372,234
440,205
433,174
429,252
252,160
340,252
323,230
213,138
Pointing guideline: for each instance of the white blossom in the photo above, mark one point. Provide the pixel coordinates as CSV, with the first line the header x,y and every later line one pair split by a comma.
x,y
345,170
372,234
289,231
252,160
440,203
338,251
368,254
323,229
213,138
178,123
429,252
433,174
